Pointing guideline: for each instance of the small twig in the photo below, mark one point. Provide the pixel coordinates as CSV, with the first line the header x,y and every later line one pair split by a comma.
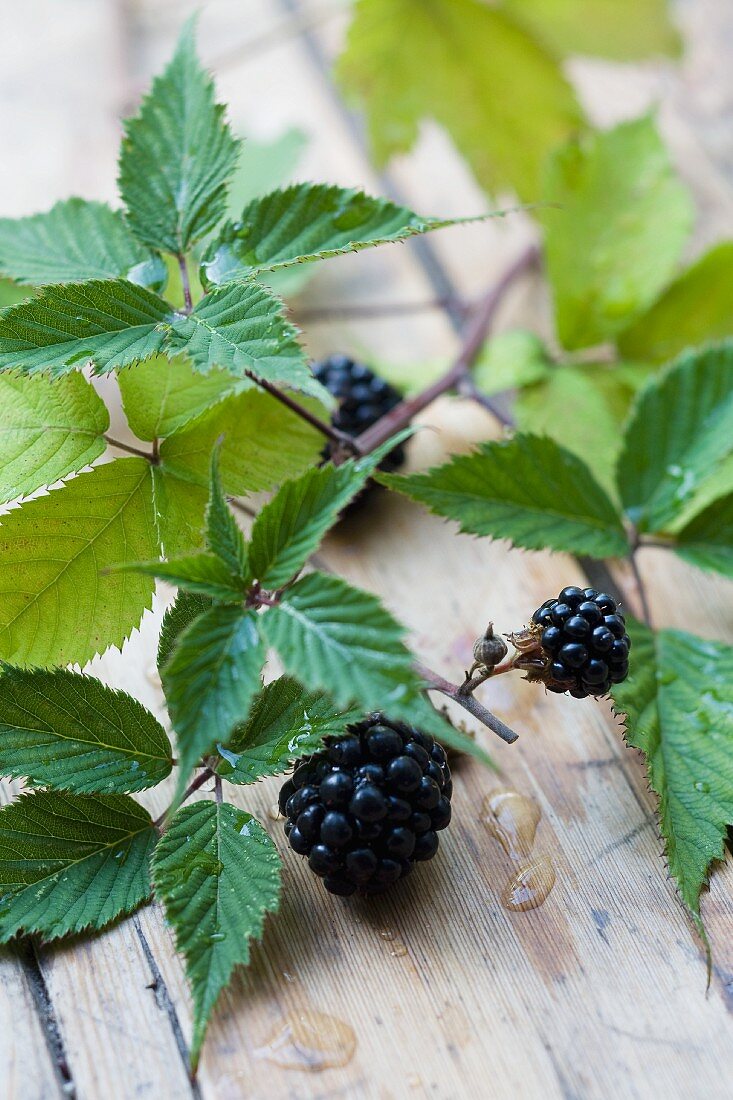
x,y
468,702
193,786
185,281
341,439
149,455
403,414
468,388
243,508
217,790
358,310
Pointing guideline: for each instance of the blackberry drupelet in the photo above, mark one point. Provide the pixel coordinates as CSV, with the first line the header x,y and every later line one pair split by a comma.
x,y
369,805
363,398
583,639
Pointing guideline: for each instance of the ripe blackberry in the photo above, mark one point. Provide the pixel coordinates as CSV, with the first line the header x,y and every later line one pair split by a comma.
x,y
369,805
363,398
576,643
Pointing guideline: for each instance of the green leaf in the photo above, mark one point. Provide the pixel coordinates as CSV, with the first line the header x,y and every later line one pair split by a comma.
x,y
203,573
291,526
177,156
187,607
583,408
463,64
707,540
528,490
696,308
285,722
218,875
72,733
179,506
625,30
56,604
69,862
223,535
161,396
679,433
74,241
339,639
47,430
110,324
210,680
308,221
509,361
679,706
243,330
616,238
263,443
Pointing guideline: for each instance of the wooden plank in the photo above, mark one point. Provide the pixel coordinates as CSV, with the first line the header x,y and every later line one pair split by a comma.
x,y
27,1068
602,988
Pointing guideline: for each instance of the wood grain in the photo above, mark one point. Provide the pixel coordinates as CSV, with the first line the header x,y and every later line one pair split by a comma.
x,y
599,992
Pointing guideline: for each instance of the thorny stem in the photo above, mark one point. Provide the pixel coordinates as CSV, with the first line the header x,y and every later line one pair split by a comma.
x,y
185,281
343,441
149,455
201,778
402,415
640,589
468,702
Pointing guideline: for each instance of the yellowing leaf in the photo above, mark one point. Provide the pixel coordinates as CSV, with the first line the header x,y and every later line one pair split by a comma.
x,y
470,67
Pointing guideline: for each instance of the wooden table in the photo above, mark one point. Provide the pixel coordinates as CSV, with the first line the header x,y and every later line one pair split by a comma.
x,y
436,990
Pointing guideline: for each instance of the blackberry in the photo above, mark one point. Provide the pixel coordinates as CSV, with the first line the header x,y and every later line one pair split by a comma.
x,y
363,398
369,805
583,639
576,643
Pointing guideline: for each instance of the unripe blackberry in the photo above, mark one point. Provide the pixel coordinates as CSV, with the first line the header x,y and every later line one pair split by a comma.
x,y
363,398
369,805
577,643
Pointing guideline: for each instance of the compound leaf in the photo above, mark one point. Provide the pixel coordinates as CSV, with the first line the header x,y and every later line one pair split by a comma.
x,y
109,323
57,606
186,607
242,329
218,874
263,443
161,395
210,680
71,732
615,240
285,722
223,535
203,573
308,221
69,862
340,639
177,156
47,430
290,527
528,490
678,703
74,241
